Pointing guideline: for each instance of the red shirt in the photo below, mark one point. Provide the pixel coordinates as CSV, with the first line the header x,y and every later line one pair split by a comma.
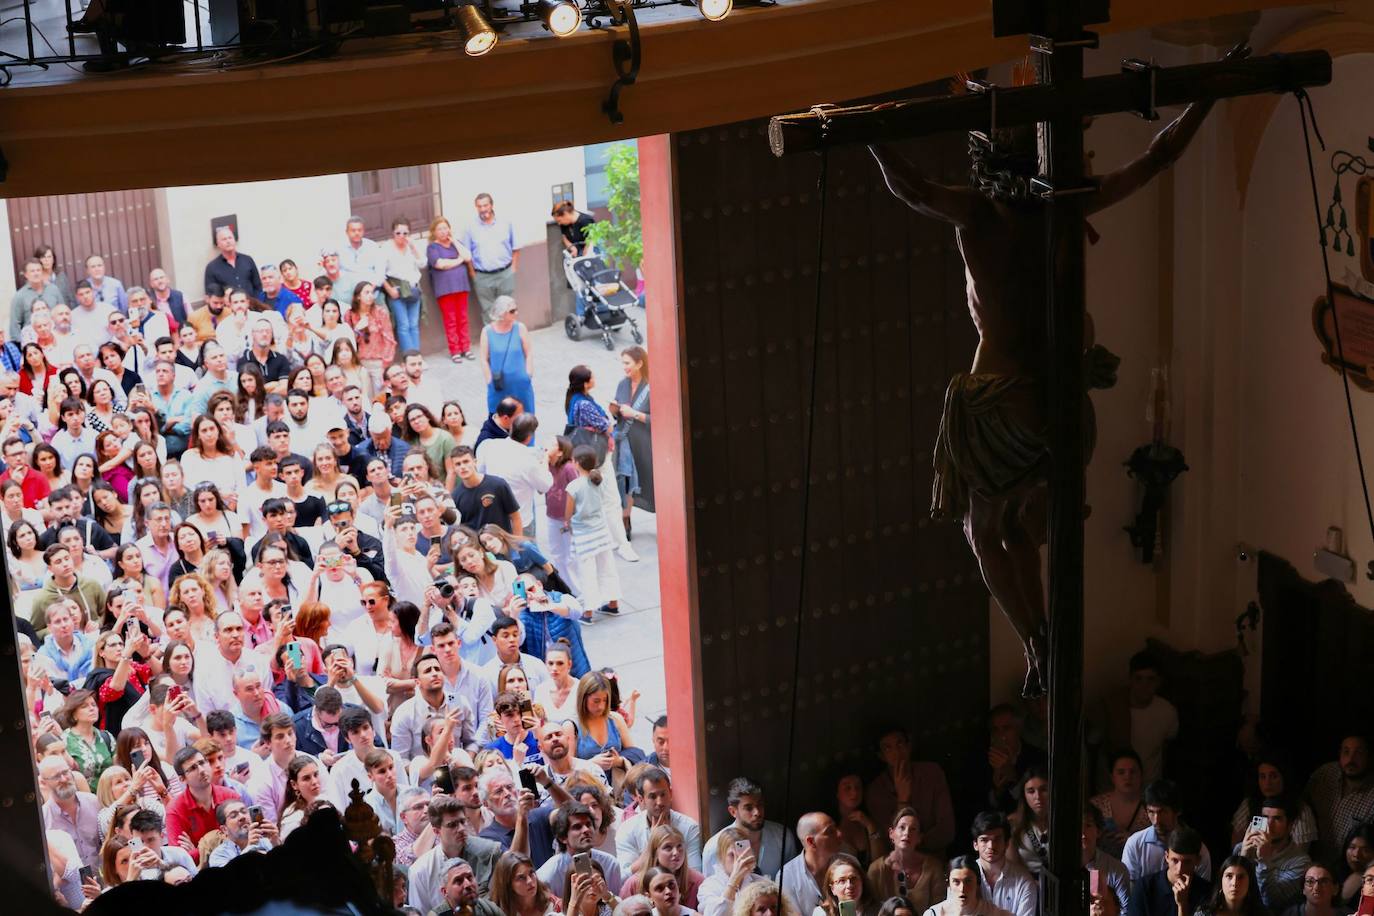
x,y
304,292
34,485
186,816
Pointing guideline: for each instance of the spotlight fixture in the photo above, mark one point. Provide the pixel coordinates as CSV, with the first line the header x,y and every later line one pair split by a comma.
x,y
561,17
478,35
715,10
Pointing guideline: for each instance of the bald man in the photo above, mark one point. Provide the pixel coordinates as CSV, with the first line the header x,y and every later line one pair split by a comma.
x,y
801,877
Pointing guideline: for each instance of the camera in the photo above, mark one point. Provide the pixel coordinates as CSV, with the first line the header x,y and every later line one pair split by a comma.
x,y
445,587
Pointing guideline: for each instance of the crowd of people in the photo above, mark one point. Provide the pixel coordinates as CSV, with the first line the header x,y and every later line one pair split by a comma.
x,y
261,562
259,557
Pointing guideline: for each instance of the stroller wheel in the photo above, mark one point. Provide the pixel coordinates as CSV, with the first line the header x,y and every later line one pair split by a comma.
x,y
634,332
606,339
572,327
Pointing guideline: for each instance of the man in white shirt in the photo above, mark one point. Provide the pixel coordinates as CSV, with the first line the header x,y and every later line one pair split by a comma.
x,y
1003,883
820,840
240,764
656,807
269,787
356,725
217,665
505,634
424,391
408,722
265,486
516,461
744,802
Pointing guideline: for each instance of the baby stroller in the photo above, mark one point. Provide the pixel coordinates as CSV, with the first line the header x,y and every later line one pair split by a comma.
x,y
605,298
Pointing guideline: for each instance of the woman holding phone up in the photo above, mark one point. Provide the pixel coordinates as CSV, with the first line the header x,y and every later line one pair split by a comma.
x,y
844,892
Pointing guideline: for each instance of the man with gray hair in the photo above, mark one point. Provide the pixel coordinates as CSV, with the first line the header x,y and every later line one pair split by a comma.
x,y
217,666
146,324
495,257
459,890
69,810
273,293
361,260
636,905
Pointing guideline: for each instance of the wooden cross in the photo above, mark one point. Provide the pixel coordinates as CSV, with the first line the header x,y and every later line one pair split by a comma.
x,y
1060,101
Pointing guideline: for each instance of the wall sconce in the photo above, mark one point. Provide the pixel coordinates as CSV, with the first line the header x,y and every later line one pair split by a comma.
x,y
625,55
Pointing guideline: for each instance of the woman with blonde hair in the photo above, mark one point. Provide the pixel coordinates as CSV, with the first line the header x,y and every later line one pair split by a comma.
x,y
193,594
762,898
601,732
516,889
118,791
667,849
217,569
326,476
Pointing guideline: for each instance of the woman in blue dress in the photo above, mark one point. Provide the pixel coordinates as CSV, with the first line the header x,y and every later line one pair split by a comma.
x,y
507,360
602,735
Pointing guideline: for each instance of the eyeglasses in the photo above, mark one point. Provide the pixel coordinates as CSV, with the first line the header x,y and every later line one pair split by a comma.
x,y
1317,882
276,562
401,232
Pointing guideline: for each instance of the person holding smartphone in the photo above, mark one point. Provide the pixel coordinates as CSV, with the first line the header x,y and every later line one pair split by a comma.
x,y
844,892
245,829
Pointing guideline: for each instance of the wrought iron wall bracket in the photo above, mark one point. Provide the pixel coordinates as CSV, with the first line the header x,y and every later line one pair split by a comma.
x,y
625,56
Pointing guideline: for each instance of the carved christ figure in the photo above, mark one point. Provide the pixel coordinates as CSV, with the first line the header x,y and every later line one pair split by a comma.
x,y
991,454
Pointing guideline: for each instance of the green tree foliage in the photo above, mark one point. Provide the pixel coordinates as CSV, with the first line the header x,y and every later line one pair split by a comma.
x,y
620,238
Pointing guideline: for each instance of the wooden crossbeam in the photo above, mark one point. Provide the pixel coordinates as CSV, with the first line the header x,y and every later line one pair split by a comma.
x,y
1129,90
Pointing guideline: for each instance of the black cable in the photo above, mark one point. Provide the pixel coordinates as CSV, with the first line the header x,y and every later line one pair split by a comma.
x,y
806,489
1304,114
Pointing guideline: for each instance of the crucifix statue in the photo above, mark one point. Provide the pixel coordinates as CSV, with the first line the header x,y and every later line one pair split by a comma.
x,y
992,453
1018,418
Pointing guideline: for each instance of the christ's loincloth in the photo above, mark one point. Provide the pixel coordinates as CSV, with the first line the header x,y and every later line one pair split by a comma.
x,y
984,445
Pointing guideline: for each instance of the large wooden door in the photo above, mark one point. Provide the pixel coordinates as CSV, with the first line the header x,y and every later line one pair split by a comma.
x,y
382,195
120,226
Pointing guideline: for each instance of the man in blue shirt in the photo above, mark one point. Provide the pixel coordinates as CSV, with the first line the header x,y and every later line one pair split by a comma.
x,y
68,650
108,290
273,293
494,255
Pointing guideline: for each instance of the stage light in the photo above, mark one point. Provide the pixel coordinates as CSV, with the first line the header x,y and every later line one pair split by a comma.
x,y
715,10
478,35
561,17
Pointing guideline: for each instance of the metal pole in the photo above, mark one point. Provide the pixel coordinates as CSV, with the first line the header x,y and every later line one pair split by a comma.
x,y
1063,160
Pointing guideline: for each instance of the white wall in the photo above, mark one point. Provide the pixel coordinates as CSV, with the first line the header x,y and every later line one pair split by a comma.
x,y
289,218
521,187
1298,474
9,271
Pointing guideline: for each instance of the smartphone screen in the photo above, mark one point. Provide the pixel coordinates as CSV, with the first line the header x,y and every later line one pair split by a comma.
x,y
1094,883
848,908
